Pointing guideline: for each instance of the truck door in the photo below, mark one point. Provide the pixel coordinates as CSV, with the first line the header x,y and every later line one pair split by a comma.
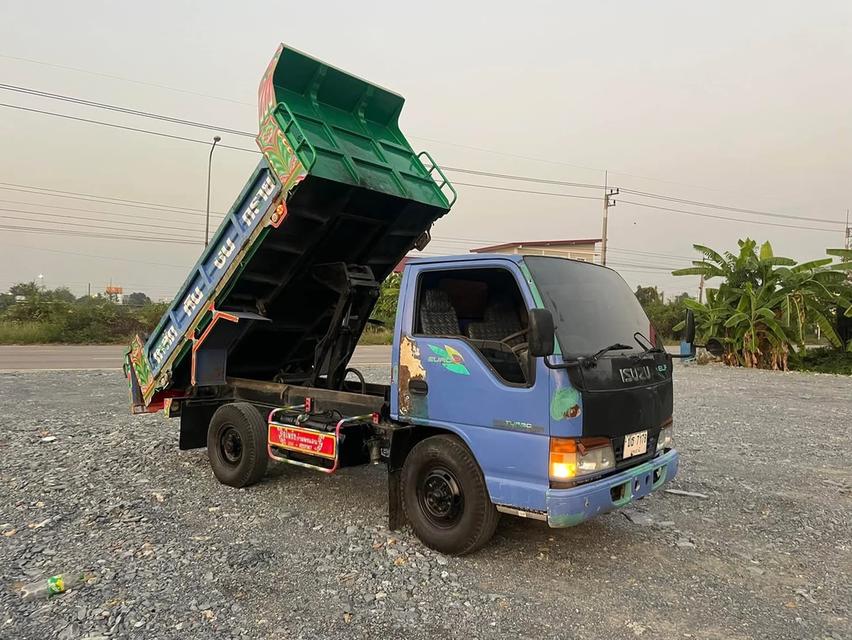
x,y
462,365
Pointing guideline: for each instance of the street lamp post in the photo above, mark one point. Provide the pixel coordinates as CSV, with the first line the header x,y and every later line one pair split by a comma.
x,y
209,170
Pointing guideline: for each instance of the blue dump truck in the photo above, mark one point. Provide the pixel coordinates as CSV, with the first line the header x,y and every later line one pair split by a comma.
x,y
531,386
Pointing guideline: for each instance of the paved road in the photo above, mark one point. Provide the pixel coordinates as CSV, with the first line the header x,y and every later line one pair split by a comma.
x,y
34,357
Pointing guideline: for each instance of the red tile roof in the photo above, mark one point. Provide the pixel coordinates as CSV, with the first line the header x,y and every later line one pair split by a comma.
x,y
539,243
398,268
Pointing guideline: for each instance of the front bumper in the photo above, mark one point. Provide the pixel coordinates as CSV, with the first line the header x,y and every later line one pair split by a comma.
x,y
568,507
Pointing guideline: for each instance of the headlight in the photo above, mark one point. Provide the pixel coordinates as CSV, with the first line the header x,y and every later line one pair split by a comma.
x,y
666,438
570,457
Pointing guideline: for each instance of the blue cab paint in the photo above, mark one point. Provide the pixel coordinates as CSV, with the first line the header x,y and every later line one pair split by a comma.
x,y
507,427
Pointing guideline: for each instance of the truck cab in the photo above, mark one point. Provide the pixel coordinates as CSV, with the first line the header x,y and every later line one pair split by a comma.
x,y
507,354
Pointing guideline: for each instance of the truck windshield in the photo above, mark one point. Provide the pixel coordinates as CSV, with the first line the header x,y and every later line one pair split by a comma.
x,y
592,306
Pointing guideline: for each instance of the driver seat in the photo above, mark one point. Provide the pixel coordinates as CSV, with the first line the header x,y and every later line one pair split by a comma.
x,y
438,317
499,320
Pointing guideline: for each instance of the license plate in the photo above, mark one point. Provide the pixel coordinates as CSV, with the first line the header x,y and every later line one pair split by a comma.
x,y
635,444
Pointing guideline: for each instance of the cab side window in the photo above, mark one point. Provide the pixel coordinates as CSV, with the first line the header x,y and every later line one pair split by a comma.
x,y
485,308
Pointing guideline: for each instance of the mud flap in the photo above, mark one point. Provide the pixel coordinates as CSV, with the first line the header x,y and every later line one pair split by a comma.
x,y
396,514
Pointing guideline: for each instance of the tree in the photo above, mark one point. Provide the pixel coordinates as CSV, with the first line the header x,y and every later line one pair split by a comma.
x,y
6,301
136,299
761,309
663,315
60,294
647,295
26,289
385,309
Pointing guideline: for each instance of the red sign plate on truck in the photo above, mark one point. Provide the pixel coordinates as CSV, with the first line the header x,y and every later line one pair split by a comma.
x,y
307,441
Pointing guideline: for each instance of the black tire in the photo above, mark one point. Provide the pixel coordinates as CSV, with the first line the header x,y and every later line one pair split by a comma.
x,y
236,444
445,497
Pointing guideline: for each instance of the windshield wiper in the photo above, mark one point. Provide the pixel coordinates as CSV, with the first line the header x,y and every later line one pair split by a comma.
x,y
612,347
652,348
586,361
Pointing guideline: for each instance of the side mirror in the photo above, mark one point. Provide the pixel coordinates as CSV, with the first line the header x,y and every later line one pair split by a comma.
x,y
540,333
689,329
715,348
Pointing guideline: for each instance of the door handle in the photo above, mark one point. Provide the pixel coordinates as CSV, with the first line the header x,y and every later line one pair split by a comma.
x,y
418,387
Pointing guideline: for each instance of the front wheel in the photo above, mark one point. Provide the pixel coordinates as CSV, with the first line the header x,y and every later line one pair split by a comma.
x,y
236,444
445,497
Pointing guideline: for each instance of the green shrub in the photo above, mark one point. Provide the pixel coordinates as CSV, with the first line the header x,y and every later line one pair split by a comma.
x,y
44,316
824,360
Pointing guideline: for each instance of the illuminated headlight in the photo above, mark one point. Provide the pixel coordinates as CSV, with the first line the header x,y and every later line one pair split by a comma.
x,y
665,439
570,458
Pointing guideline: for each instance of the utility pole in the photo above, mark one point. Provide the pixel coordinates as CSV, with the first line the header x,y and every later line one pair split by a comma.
x,y
209,170
607,203
89,291
848,244
701,290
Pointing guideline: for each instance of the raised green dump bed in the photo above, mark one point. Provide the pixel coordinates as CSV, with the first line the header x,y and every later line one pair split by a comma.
x,y
285,287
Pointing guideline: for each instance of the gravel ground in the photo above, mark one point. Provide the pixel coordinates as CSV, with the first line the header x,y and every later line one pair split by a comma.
x,y
170,553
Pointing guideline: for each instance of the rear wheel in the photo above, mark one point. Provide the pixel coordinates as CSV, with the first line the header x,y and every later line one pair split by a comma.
x,y
445,497
236,444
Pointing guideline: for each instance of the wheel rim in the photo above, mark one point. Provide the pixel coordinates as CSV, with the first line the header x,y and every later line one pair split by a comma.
x,y
441,498
231,446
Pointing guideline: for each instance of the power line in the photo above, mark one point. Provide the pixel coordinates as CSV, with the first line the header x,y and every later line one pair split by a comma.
x,y
173,120
254,106
458,169
725,208
59,218
84,234
91,255
56,220
118,109
653,267
650,253
466,242
191,123
211,127
124,284
140,82
119,126
434,140
540,193
741,221
510,176
88,197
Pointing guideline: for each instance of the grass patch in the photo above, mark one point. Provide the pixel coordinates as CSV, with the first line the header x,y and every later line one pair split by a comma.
x,y
54,333
29,332
376,336
823,360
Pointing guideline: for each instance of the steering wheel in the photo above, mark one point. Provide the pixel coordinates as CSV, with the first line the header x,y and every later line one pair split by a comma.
x,y
519,347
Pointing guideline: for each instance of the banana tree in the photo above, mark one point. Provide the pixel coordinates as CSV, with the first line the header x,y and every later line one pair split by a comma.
x,y
764,303
762,341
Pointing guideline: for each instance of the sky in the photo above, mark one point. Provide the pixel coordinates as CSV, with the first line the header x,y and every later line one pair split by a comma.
x,y
738,104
